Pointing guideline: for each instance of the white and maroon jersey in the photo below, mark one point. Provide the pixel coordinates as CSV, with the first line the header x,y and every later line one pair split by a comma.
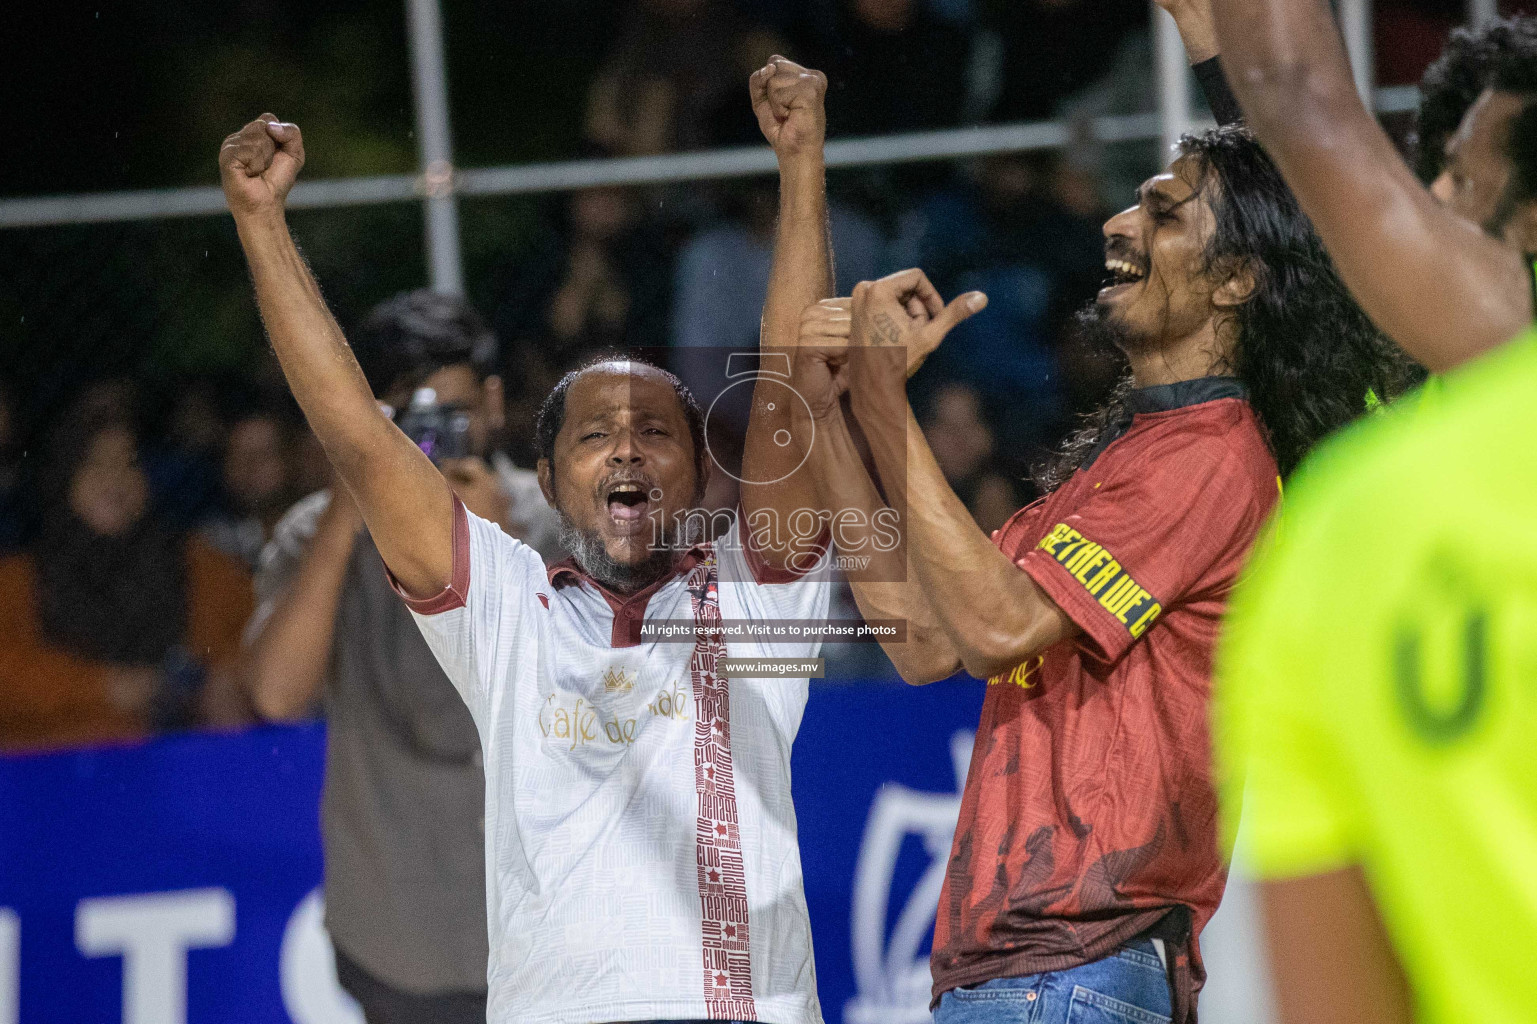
x,y
641,852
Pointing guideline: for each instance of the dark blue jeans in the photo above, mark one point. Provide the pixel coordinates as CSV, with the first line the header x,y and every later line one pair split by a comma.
x,y
1130,986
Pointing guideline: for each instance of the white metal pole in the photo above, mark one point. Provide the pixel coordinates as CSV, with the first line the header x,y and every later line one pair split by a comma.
x,y
424,22
1481,12
1356,21
1173,82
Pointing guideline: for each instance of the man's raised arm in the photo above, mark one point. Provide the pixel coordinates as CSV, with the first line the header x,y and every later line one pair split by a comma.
x,y
788,101
994,614
1199,34
404,500
861,523
1436,284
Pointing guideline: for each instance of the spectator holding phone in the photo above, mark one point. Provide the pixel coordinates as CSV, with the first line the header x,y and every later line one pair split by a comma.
x,y
402,809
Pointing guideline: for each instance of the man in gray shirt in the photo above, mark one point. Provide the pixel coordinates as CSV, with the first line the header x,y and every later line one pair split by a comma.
x,y
404,791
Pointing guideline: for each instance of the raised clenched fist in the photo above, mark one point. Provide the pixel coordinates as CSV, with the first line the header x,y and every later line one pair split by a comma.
x,y
827,319
789,102
831,321
258,165
821,378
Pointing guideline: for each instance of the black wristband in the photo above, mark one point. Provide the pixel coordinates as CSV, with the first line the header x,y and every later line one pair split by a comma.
x,y
1224,105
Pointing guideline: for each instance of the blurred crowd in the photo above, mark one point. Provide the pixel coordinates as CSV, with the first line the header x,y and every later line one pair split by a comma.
x,y
685,267
133,515
133,519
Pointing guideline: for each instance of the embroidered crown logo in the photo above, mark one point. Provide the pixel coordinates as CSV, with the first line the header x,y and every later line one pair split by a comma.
x,y
617,680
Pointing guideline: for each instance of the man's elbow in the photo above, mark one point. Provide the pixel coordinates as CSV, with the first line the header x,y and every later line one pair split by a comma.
x,y
994,654
920,667
276,711
924,674
984,665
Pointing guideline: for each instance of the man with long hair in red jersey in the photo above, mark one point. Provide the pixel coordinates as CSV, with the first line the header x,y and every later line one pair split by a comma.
x,y
1086,857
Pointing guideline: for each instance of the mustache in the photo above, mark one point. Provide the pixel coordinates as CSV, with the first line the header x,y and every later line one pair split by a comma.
x,y
640,478
1121,249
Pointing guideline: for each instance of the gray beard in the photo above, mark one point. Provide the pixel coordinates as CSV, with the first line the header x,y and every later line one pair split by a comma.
x,y
588,551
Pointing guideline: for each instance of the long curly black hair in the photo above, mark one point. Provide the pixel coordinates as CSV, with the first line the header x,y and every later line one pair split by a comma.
x,y
1310,359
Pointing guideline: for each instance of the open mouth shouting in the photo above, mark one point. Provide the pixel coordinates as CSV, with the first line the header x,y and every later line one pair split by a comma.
x,y
627,501
1124,272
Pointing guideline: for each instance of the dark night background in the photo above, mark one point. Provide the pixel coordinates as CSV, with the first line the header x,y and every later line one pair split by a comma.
x,y
132,95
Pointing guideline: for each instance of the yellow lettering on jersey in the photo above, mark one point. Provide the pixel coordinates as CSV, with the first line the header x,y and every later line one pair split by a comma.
x,y
1057,536
1087,565
1021,676
1140,626
1083,554
1073,542
1103,576
1112,597
1111,569
1129,597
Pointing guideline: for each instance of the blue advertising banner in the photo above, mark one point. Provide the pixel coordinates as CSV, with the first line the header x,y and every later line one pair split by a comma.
x,y
178,881
878,771
158,884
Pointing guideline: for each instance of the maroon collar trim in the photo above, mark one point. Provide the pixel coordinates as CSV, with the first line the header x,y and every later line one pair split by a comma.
x,y
629,612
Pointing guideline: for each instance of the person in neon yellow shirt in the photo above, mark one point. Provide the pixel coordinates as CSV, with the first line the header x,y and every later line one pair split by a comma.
x,y
1376,676
1378,685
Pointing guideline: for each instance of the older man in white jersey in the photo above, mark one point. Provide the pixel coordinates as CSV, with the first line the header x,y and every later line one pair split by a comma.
x,y
641,853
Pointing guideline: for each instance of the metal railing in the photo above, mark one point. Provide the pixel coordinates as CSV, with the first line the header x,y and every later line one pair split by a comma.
x,y
438,183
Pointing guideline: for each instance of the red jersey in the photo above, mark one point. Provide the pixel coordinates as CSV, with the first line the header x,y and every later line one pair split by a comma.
x,y
1089,812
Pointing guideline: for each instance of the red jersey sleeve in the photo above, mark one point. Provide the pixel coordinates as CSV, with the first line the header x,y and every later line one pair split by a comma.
x,y
1157,530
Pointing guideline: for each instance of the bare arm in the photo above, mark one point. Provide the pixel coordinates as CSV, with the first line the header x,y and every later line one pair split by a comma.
x,y
1436,284
1199,34
402,497
1330,956
995,615
863,526
1194,20
788,101
291,650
